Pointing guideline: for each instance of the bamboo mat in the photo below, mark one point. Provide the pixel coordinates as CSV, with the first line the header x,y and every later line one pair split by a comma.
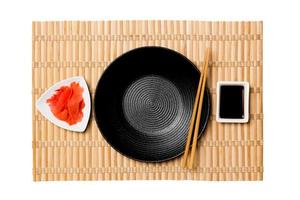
x,y
65,49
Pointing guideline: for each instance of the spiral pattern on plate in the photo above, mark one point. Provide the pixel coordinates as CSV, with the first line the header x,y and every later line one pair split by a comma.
x,y
152,105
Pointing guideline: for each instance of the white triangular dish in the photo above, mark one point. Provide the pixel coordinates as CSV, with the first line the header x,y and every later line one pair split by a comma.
x,y
45,110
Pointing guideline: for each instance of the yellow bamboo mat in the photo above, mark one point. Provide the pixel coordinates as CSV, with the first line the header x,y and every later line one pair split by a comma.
x,y
65,49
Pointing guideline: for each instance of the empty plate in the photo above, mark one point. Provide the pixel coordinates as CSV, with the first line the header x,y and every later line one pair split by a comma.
x,y
144,101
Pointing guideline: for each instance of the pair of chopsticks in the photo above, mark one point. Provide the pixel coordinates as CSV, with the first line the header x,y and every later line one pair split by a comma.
x,y
196,111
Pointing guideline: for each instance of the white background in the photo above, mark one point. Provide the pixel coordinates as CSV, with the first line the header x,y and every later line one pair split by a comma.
x,y
281,99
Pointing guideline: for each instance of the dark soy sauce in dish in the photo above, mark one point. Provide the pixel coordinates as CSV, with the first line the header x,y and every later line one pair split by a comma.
x,y
232,101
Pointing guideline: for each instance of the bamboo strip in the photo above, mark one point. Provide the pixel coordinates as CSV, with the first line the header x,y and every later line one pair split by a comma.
x,y
221,126
234,75
260,99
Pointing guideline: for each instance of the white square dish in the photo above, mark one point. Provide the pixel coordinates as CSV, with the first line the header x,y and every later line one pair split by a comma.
x,y
232,102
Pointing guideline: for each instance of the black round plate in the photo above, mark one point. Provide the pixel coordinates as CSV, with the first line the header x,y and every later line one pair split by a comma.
x,y
144,101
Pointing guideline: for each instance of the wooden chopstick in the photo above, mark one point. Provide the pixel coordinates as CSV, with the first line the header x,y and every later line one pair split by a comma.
x,y
199,111
192,123
196,111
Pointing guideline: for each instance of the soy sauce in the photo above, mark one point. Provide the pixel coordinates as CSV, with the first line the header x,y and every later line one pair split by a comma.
x,y
232,101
